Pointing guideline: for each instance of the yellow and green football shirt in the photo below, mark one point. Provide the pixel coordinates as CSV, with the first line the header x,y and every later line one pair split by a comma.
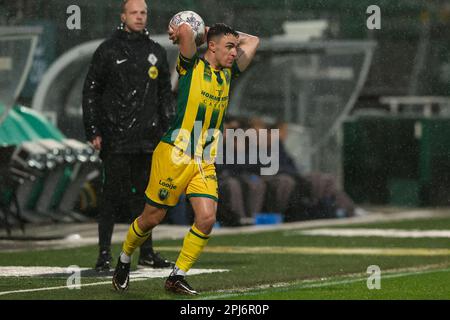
x,y
203,94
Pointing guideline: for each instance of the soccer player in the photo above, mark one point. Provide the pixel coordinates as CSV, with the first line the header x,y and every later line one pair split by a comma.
x,y
179,164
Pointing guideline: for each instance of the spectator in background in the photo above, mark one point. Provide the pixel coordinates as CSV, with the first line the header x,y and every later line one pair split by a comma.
x,y
254,187
231,206
328,201
302,196
282,186
296,195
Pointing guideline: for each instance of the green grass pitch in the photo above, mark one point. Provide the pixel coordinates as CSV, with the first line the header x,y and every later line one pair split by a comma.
x,y
261,266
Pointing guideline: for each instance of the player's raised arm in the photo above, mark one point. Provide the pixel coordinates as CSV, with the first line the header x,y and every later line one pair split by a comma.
x,y
184,36
246,50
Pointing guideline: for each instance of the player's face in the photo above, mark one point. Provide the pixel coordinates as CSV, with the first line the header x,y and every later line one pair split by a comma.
x,y
226,50
135,15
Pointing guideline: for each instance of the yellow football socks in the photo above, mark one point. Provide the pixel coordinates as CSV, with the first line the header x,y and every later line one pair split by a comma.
x,y
135,237
193,245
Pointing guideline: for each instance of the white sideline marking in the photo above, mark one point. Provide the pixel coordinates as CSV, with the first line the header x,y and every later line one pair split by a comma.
x,y
287,286
19,271
362,232
138,275
323,250
61,287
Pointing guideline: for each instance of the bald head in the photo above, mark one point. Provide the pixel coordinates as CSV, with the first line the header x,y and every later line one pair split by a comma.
x,y
126,2
134,15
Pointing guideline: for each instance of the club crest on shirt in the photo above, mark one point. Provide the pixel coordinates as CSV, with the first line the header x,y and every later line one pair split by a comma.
x,y
163,194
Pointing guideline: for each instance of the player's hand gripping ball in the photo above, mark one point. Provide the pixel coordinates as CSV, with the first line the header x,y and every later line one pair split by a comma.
x,y
194,20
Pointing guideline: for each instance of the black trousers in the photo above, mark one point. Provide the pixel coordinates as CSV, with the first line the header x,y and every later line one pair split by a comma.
x,y
125,177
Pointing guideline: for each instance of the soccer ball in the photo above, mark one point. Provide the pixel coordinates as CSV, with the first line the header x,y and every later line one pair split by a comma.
x,y
194,20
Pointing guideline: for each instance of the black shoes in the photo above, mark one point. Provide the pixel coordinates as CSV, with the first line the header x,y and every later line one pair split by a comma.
x,y
177,284
154,260
103,261
121,277
174,283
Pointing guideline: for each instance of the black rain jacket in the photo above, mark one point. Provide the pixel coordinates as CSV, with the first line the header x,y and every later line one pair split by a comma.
x,y
127,97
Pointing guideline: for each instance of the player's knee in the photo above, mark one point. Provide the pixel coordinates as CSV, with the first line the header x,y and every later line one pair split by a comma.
x,y
152,216
153,221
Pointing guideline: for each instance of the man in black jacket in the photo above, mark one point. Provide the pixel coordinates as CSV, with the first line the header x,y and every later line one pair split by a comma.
x,y
127,103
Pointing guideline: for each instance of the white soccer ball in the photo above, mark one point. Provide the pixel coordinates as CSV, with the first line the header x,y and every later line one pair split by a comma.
x,y
194,20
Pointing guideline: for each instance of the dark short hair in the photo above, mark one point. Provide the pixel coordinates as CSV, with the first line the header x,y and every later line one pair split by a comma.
x,y
220,29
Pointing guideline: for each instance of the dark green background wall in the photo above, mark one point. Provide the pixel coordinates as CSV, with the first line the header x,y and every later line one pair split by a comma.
x,y
403,28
